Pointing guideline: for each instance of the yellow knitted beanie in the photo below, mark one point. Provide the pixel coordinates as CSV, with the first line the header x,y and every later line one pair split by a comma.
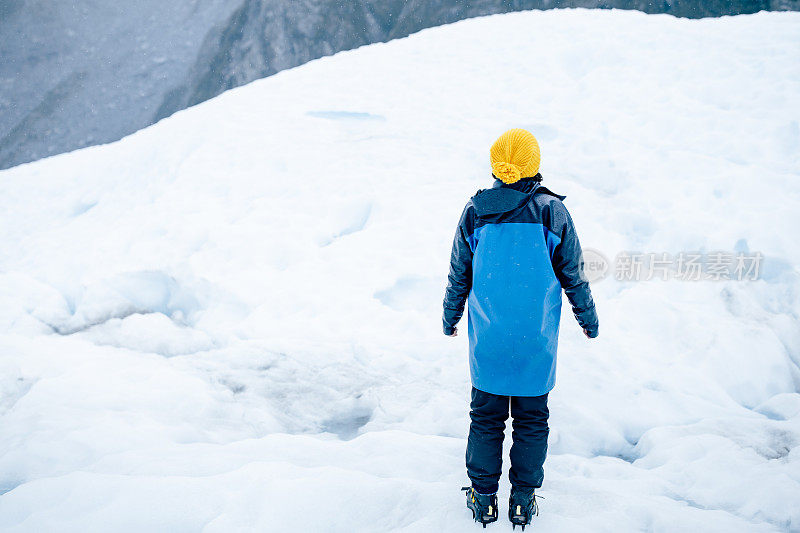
x,y
515,155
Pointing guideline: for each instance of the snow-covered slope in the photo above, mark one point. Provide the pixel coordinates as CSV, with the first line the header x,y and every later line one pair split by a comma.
x,y
87,72
230,321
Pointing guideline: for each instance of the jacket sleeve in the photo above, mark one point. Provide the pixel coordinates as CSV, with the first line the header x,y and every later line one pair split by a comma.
x,y
568,266
459,281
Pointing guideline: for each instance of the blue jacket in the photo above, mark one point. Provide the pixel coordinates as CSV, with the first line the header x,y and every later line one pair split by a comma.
x,y
515,248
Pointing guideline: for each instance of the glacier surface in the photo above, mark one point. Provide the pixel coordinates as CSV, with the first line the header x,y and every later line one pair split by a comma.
x,y
230,321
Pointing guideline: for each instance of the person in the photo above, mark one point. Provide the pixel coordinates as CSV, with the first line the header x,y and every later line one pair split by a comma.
x,y
514,250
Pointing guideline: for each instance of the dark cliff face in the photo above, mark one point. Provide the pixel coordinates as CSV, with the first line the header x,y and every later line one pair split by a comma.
x,y
263,37
77,75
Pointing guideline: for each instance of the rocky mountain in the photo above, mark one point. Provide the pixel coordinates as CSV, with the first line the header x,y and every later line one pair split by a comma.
x,y
74,74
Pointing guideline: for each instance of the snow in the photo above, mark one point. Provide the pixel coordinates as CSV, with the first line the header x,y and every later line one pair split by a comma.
x,y
230,321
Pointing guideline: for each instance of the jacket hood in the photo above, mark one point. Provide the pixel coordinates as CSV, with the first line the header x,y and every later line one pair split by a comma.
x,y
505,198
497,201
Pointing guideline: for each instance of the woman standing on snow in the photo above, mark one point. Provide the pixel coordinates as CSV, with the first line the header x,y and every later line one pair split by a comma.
x,y
514,250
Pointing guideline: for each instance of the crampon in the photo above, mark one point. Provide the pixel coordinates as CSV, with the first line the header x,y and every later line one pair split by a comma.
x,y
483,506
522,507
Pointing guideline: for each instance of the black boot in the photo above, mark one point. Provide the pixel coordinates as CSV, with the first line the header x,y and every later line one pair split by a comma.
x,y
483,506
522,507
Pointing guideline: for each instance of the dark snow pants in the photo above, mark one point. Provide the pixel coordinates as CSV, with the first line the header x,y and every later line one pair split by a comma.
x,y
489,413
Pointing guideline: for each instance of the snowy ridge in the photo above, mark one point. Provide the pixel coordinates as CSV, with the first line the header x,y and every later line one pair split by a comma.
x,y
236,312
84,72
